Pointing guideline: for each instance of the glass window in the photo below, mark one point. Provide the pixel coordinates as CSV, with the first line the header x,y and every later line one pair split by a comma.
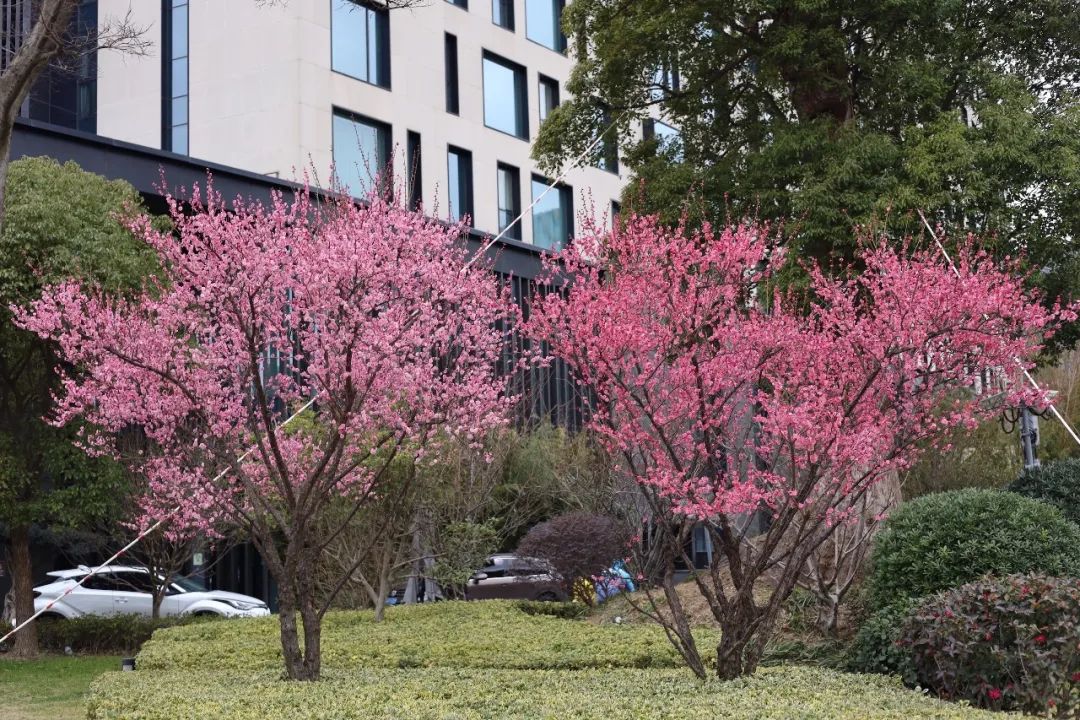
x,y
361,152
667,137
543,23
549,96
412,159
502,13
134,582
609,146
450,52
505,105
464,4
552,215
459,172
509,181
360,41
176,104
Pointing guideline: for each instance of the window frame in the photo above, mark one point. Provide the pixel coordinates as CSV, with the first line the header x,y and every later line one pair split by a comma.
x,y
169,127
552,84
384,145
566,195
451,75
513,230
382,26
465,185
414,163
463,4
560,38
507,11
521,93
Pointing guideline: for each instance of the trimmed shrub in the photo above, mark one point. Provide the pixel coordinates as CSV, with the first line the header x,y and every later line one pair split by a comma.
x,y
564,610
473,694
1004,644
483,634
875,648
105,635
943,540
577,545
1057,483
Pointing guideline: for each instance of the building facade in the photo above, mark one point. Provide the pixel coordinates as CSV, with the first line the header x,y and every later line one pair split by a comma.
x,y
447,96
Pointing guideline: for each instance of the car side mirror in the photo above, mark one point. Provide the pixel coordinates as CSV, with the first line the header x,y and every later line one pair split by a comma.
x,y
478,577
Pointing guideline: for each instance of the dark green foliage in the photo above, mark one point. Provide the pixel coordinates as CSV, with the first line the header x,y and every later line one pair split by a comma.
x,y
1057,483
98,635
943,540
1001,643
830,113
875,649
465,545
563,610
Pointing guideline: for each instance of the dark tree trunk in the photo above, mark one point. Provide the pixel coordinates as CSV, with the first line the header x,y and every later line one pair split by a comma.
x,y
296,598
22,587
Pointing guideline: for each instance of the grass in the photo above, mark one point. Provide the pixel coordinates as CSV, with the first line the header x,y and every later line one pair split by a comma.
x,y
52,687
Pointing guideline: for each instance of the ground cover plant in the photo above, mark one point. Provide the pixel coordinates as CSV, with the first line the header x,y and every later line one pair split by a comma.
x,y
49,688
469,693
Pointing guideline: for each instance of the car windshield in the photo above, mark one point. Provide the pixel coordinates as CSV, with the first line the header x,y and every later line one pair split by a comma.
x,y
187,584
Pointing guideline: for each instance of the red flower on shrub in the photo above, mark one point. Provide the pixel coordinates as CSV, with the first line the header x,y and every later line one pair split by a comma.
x,y
994,694
1040,639
1076,677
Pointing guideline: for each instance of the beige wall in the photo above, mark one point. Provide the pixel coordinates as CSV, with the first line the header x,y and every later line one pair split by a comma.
x,y
262,93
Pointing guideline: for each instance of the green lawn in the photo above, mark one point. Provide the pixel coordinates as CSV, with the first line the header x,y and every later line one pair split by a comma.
x,y
52,687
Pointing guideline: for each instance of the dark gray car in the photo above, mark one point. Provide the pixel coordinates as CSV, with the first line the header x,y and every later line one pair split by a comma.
x,y
511,577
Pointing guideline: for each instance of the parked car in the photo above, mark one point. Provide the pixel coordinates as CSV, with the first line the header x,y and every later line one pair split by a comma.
x,y
513,577
122,590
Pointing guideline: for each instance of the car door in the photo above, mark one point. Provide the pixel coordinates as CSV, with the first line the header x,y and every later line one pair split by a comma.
x,y
94,596
134,593
491,581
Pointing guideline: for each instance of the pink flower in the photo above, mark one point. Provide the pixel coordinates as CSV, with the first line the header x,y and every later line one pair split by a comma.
x,y
994,694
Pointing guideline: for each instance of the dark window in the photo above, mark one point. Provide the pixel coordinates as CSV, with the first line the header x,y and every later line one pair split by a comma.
x,y
505,98
502,13
609,145
667,138
549,96
553,215
543,23
65,93
616,212
360,41
452,103
361,150
412,159
104,581
134,582
459,171
175,136
509,181
464,4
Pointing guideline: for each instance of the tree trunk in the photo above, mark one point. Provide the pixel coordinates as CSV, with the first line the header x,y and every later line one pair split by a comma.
x,y
309,615
22,587
159,595
291,652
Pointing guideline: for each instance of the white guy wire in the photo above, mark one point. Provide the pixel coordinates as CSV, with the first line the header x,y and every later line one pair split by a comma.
x,y
1030,379
139,537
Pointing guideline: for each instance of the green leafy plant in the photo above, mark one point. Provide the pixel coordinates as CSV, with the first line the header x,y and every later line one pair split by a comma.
x,y
1009,643
464,546
1057,483
875,648
946,539
99,635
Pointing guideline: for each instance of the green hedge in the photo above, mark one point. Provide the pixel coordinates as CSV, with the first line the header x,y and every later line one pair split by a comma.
x,y
105,635
449,634
1057,483
464,694
943,540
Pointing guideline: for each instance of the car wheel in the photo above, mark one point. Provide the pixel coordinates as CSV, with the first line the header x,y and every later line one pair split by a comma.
x,y
547,597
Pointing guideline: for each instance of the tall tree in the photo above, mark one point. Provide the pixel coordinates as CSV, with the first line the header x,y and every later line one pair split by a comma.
x,y
721,409
371,311
830,113
62,222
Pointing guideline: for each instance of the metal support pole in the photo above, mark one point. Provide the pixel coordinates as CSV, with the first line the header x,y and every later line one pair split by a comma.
x,y
1029,436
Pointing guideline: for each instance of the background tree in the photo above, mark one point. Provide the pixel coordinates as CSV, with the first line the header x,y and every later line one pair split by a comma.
x,y
369,311
767,426
40,32
62,223
834,113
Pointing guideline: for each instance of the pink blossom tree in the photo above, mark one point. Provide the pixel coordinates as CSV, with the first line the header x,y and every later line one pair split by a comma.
x,y
370,310
767,417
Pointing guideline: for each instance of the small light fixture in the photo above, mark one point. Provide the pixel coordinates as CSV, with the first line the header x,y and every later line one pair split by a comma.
x,y
127,664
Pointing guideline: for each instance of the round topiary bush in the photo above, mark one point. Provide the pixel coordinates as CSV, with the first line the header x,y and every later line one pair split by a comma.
x,y
1057,483
943,540
1001,643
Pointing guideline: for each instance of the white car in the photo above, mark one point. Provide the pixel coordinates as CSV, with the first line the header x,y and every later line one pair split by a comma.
x,y
119,590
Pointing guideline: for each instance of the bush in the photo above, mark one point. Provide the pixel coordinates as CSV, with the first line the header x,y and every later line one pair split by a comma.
x,y
105,635
875,648
943,540
577,545
1057,483
470,694
464,546
1004,644
485,634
